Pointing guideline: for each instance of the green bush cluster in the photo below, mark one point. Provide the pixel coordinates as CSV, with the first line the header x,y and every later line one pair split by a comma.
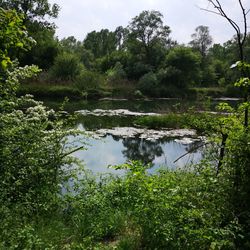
x,y
88,80
50,91
66,67
202,122
167,210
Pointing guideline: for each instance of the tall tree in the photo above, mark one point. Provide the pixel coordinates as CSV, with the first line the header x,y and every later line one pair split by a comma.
x,y
148,29
147,42
121,35
202,40
100,43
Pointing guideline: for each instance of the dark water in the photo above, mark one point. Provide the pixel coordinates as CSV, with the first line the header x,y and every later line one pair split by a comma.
x,y
151,105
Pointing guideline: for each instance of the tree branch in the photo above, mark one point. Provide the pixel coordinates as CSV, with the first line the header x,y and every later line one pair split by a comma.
x,y
191,151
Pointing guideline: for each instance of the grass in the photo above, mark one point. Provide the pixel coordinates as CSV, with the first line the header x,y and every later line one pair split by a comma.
x,y
202,122
216,92
50,91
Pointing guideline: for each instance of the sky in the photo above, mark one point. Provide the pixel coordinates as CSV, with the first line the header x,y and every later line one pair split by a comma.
x,y
79,17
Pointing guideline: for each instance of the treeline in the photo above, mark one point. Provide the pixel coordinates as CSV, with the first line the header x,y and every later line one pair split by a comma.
x,y
142,55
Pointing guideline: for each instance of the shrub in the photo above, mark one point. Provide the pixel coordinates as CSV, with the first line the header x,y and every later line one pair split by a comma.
x,y
50,91
87,80
202,122
66,67
116,73
148,84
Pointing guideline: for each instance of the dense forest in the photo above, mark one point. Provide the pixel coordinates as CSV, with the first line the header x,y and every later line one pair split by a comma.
x,y
204,206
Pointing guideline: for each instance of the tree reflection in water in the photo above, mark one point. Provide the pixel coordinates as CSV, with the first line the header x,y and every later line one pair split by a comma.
x,y
141,149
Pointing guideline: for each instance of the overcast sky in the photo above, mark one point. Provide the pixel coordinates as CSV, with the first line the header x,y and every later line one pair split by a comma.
x,y
78,17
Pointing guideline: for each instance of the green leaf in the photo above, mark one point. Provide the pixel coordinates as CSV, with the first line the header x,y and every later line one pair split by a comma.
x,y
19,44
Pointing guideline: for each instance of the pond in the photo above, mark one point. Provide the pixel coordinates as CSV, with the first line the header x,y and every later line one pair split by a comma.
x,y
112,139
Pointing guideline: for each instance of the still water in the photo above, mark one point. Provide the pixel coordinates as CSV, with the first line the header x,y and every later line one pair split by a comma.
x,y
114,149
110,149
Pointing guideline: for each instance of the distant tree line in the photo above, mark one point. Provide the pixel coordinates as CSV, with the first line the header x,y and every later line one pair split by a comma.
x,y
142,53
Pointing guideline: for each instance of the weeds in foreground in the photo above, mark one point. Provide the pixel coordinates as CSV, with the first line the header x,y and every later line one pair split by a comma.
x,y
168,210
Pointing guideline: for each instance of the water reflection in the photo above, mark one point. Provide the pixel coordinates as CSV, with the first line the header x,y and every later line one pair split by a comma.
x,y
154,105
112,150
141,149
91,122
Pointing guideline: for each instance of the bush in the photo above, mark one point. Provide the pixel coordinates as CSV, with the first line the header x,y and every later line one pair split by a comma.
x,y
168,210
87,80
66,67
50,91
116,73
148,84
202,122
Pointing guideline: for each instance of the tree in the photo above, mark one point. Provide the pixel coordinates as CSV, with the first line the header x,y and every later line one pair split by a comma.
x,y
147,43
182,67
35,17
33,10
241,34
44,52
121,35
235,132
201,39
66,67
100,43
148,29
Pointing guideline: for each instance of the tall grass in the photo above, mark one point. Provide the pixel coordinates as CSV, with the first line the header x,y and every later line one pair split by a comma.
x,y
202,122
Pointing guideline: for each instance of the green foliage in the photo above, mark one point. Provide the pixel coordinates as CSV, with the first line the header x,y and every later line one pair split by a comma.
x,y
88,80
13,36
173,209
148,83
146,42
202,122
116,73
203,207
33,150
10,86
182,67
66,67
34,11
35,14
100,43
148,28
201,40
45,50
50,91
87,58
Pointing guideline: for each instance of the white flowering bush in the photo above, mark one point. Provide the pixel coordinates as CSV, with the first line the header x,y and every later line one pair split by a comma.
x,y
33,138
